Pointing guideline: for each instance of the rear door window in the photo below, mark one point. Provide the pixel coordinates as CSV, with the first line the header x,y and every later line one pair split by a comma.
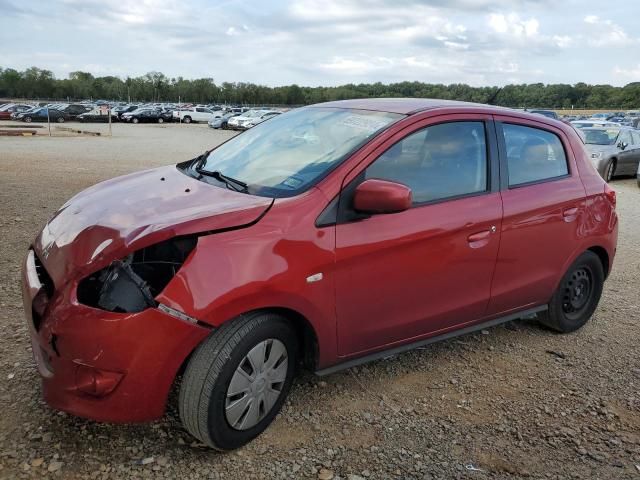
x,y
533,155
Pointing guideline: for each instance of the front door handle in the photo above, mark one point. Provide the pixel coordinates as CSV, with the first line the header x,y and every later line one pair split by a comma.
x,y
480,239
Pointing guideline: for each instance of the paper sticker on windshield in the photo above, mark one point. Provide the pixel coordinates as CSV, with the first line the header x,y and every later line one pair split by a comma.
x,y
364,122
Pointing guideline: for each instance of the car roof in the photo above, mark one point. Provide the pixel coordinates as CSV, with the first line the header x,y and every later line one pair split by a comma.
x,y
405,106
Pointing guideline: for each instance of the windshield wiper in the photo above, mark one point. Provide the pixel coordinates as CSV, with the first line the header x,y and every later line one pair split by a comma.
x,y
231,182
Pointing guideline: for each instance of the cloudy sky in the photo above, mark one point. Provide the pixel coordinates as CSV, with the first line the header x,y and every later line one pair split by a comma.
x,y
329,42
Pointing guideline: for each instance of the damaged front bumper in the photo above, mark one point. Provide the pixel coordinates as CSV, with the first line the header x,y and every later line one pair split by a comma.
x,y
107,366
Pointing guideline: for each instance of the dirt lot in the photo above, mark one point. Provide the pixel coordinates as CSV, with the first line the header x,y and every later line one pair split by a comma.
x,y
500,400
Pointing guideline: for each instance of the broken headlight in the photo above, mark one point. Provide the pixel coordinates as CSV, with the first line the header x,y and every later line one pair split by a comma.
x,y
132,283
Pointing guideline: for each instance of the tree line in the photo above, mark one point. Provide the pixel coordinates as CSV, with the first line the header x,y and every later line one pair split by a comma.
x,y
36,83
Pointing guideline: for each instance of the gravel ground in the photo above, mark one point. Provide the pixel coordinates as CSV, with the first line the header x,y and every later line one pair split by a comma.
x,y
516,401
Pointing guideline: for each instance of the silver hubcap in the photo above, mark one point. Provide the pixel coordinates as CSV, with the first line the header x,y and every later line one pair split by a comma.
x,y
256,384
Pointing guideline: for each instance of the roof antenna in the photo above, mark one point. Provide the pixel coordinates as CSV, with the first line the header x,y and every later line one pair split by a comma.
x,y
493,97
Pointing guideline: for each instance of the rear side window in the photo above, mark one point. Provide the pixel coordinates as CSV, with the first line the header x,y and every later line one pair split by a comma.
x,y
437,162
533,155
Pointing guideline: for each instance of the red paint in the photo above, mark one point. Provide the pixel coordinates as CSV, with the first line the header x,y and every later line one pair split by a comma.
x,y
380,196
387,279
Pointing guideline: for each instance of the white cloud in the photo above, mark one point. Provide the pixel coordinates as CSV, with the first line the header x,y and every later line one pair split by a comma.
x,y
513,25
606,33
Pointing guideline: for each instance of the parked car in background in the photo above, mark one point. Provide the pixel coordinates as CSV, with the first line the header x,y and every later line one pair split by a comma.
x,y
126,117
40,115
121,110
149,116
221,121
268,251
7,110
238,122
74,110
613,150
546,113
593,123
97,115
195,114
262,116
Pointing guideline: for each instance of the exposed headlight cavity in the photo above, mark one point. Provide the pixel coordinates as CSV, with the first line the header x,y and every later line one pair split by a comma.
x,y
132,283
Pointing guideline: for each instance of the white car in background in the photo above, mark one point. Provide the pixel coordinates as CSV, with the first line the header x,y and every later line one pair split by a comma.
x,y
194,114
593,122
251,119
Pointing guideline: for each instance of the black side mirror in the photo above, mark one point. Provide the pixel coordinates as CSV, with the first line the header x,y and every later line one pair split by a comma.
x,y
622,145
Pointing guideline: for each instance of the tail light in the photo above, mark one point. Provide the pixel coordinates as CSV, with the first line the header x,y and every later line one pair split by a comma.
x,y
610,193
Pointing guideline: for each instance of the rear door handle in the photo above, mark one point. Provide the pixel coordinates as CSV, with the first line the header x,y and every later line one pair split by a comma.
x,y
570,214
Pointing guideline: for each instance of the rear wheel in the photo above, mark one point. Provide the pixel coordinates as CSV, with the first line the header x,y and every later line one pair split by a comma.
x,y
60,120
134,120
238,379
27,119
186,119
577,296
160,120
610,170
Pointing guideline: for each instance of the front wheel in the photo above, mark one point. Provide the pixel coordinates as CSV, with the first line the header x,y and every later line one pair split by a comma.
x,y
135,120
577,296
60,120
186,120
238,379
27,119
160,120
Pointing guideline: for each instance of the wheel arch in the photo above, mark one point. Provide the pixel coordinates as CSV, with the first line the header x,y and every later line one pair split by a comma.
x,y
306,333
603,255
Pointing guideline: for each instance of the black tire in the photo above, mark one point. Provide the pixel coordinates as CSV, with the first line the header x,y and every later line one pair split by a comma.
x,y
60,119
203,393
160,120
27,119
134,120
577,296
186,120
610,171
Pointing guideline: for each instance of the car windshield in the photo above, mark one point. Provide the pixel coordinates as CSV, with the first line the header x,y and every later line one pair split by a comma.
x,y
601,136
286,155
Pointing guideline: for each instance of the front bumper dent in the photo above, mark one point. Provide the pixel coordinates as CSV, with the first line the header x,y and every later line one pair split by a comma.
x,y
100,365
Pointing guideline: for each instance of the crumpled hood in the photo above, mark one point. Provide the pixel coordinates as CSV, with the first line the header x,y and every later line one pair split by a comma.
x,y
113,218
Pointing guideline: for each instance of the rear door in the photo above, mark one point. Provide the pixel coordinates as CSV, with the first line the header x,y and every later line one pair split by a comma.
x,y
426,270
544,201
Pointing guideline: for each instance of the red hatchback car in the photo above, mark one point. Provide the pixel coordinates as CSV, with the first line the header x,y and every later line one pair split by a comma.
x,y
329,236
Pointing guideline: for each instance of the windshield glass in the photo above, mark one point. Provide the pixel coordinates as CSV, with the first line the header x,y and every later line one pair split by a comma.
x,y
601,136
284,156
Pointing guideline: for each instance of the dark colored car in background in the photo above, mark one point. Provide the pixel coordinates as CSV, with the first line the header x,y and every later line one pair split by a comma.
x,y
150,116
613,150
74,110
330,236
40,115
98,115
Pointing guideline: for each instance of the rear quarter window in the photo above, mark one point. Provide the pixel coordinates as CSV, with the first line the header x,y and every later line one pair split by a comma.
x,y
533,155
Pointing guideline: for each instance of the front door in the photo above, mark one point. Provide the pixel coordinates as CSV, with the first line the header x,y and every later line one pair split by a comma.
x,y
412,274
